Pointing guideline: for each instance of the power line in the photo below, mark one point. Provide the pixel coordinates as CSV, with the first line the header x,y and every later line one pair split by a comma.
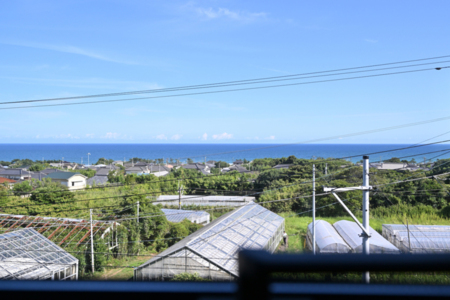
x,y
225,84
227,90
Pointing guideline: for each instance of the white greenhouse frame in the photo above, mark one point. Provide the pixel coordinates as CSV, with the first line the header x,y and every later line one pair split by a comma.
x,y
420,239
194,216
27,255
328,240
350,232
212,251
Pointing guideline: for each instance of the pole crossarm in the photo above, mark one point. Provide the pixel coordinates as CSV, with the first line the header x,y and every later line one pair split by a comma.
x,y
347,189
351,214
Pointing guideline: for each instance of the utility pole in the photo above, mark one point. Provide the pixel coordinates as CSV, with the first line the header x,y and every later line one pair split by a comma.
x,y
137,212
88,159
62,162
314,211
326,168
92,243
409,239
365,188
179,195
366,245
82,160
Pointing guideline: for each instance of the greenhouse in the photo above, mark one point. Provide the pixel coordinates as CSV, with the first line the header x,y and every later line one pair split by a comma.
x,y
422,238
328,239
212,251
178,215
199,200
27,255
350,232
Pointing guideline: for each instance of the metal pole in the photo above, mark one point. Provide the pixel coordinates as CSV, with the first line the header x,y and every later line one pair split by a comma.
x,y
314,211
88,159
326,169
137,212
92,243
409,239
366,245
179,197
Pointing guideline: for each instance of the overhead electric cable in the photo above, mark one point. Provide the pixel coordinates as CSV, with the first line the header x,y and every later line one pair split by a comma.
x,y
217,85
225,91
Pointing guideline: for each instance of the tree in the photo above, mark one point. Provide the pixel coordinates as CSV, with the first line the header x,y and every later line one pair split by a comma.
x,y
37,168
4,199
22,188
50,192
104,161
222,164
190,161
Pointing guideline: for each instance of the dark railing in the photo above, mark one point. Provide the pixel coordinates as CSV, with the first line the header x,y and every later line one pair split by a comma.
x,y
255,268
254,282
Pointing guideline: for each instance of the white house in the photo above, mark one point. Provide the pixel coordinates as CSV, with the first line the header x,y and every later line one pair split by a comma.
x,y
73,181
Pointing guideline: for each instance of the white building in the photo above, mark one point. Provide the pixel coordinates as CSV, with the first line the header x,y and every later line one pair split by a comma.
x,y
73,181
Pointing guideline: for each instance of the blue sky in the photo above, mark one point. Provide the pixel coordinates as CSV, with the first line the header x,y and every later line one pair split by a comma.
x,y
70,48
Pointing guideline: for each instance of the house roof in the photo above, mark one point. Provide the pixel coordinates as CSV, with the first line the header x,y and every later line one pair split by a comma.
x,y
3,180
99,180
48,171
63,175
14,172
194,166
103,172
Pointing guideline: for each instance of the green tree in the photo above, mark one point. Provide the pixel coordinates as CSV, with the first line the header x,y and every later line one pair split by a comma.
x,y
37,167
222,164
22,188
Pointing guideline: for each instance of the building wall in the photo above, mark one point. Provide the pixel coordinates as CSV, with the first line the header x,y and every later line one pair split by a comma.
x,y
77,182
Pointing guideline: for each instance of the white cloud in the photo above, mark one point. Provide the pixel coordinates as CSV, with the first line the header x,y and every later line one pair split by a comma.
x,y
66,136
216,13
176,137
90,135
223,136
111,135
272,137
161,137
67,49
204,136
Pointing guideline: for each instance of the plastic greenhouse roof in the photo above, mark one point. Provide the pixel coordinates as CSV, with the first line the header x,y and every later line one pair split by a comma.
x,y
250,226
203,200
424,238
177,215
328,239
350,232
26,254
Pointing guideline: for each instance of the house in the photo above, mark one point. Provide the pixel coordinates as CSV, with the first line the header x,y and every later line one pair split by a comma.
x,y
238,168
238,162
137,170
97,180
4,180
48,171
15,174
38,175
118,162
73,181
204,169
104,171
282,166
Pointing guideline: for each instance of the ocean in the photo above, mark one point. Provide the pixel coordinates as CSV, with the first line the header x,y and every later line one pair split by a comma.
x,y
225,152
